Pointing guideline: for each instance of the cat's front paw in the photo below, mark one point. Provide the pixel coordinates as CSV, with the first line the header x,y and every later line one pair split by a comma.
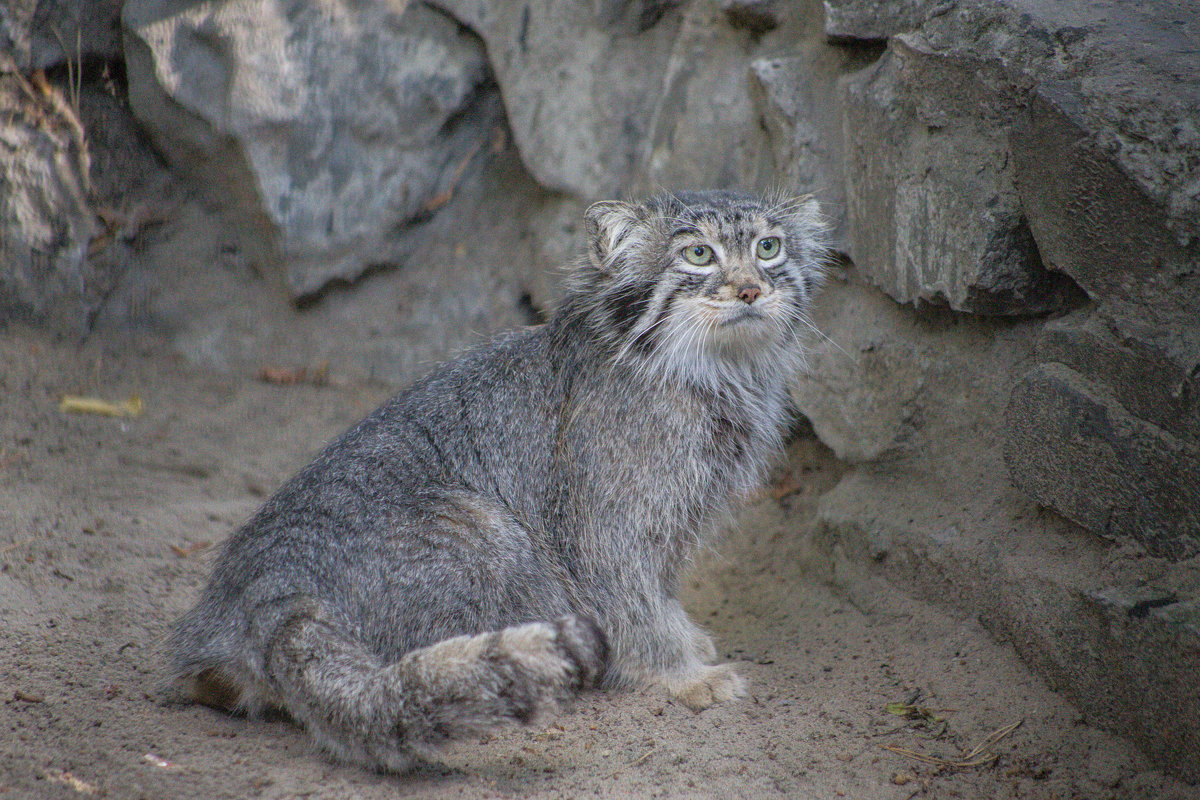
x,y
708,686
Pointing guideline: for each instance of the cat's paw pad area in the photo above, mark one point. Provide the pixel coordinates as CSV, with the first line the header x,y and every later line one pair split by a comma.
x,y
710,686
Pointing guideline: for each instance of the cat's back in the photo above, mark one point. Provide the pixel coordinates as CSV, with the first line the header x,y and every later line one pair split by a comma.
x,y
462,426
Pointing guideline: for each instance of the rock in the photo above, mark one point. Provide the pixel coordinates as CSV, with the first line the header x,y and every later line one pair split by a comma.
x,y
1094,222
1132,601
1123,74
1139,370
328,127
883,380
1107,432
952,531
920,226
703,130
1070,445
878,19
630,97
862,386
1183,618
46,220
804,132
580,87
486,262
43,33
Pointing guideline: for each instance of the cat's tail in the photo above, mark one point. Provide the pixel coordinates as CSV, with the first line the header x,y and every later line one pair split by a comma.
x,y
391,716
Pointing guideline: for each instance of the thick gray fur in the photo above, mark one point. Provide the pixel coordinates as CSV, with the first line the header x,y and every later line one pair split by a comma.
x,y
512,529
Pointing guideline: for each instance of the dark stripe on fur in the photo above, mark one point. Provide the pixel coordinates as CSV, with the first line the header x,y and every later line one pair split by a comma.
x,y
627,304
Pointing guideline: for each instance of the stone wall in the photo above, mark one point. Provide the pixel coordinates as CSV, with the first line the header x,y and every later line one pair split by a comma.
x,y
1010,351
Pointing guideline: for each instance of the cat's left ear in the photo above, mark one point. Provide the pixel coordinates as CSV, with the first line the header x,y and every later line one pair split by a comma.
x,y
803,210
610,225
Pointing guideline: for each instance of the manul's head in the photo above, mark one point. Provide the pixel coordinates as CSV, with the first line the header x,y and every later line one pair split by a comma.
x,y
704,280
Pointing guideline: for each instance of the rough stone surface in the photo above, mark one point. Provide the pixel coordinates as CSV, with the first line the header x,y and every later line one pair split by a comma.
x,y
1095,223
328,127
878,19
1106,153
1081,617
580,84
792,95
920,226
631,97
1140,372
862,387
1130,67
43,33
459,284
881,376
1071,445
46,219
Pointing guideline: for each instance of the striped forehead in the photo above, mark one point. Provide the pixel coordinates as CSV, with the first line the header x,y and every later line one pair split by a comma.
x,y
736,227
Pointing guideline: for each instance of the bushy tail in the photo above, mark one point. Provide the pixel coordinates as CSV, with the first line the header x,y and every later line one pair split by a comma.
x,y
390,716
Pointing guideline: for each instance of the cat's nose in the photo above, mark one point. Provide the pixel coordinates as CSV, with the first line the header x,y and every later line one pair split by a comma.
x,y
749,292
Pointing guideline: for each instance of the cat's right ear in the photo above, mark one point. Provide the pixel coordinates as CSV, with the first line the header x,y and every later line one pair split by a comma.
x,y
610,224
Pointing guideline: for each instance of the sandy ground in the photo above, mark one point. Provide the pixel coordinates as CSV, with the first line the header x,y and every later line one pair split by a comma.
x,y
107,528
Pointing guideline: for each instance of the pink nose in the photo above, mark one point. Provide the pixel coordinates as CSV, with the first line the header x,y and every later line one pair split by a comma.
x,y
749,293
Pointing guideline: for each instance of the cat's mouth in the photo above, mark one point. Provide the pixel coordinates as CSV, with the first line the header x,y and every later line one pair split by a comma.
x,y
739,316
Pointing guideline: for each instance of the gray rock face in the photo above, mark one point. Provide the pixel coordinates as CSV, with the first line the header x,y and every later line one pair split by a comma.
x,y
921,227
46,221
1140,372
580,87
803,132
42,33
1124,73
1105,431
863,385
1093,221
629,96
878,19
884,381
1070,445
329,127
1121,647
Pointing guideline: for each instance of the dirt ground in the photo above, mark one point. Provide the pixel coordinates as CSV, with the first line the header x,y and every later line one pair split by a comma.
x,y
108,525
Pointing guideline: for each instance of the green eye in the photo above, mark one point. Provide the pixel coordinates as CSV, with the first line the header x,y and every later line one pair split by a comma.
x,y
698,254
769,247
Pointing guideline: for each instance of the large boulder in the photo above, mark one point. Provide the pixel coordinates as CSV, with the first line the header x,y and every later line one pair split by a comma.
x,y
792,94
924,226
884,380
329,127
1107,433
1124,74
607,97
1106,429
1129,242
580,83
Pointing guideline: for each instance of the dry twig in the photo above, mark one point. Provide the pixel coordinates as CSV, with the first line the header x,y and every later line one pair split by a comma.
x,y
640,759
975,757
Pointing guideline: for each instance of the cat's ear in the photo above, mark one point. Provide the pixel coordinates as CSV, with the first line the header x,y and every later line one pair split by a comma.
x,y
610,227
802,210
